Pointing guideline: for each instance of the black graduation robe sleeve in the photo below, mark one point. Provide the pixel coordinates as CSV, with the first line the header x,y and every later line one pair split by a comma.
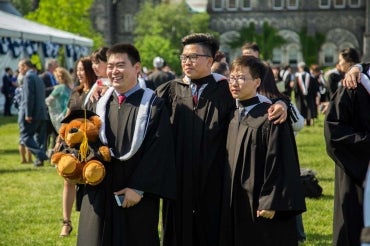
x,y
281,189
155,172
347,131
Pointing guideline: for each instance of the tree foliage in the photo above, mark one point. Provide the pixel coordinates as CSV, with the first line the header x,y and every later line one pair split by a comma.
x,y
68,15
23,6
267,39
311,45
160,28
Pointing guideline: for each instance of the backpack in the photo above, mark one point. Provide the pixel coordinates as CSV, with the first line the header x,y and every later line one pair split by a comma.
x,y
310,183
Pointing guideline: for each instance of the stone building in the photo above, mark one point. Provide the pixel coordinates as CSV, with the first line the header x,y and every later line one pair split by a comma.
x,y
345,23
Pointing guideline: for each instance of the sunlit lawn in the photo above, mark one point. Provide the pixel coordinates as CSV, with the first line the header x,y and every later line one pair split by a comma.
x,y
31,198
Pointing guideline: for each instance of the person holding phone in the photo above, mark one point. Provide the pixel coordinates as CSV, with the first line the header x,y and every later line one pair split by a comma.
x,y
136,127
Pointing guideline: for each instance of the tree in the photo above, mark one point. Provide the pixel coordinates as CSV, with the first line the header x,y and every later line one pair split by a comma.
x,y
68,15
267,38
160,28
24,6
311,45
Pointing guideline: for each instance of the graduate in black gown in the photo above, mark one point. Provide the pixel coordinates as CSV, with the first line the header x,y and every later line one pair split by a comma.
x,y
137,129
347,135
265,193
199,105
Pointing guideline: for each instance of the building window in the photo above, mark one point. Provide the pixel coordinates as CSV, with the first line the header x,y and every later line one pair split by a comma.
x,y
354,3
292,4
217,5
277,4
293,55
231,4
339,4
128,24
330,54
277,56
245,4
324,4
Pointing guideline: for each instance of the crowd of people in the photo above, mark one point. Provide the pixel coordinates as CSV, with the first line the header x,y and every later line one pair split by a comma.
x,y
215,144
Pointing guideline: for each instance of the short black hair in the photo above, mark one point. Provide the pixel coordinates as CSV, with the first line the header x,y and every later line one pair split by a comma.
x,y
256,67
125,48
206,40
100,54
350,55
252,46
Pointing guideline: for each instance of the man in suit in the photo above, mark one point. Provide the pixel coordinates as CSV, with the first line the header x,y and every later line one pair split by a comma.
x,y
32,112
49,82
8,90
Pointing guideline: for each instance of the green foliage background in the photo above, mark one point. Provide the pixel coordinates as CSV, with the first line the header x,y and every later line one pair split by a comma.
x,y
160,28
69,15
267,39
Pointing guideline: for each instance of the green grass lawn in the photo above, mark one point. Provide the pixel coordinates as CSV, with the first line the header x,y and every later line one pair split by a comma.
x,y
31,198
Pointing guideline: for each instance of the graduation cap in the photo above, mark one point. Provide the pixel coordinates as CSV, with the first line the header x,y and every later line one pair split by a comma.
x,y
79,113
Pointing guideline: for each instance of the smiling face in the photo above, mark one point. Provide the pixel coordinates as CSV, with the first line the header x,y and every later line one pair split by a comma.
x,y
241,83
121,72
201,66
80,73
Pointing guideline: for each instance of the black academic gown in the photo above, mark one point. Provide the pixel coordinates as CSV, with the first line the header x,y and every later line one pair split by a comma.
x,y
151,170
263,174
200,140
347,135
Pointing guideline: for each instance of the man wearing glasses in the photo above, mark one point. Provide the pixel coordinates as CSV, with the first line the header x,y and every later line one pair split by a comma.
x,y
265,192
200,105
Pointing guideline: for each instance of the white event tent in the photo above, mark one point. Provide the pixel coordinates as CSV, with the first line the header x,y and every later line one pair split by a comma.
x,y
19,38
22,38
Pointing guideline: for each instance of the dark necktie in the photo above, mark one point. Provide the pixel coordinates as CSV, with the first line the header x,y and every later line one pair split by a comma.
x,y
195,96
121,99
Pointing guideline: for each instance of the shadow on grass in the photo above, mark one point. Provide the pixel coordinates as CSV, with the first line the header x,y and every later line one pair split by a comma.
x,y
319,239
20,170
323,197
9,151
24,168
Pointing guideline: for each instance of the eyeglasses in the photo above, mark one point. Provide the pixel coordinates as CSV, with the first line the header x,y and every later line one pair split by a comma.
x,y
192,57
238,79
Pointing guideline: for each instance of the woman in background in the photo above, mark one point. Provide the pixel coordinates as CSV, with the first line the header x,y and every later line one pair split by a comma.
x,y
58,99
86,78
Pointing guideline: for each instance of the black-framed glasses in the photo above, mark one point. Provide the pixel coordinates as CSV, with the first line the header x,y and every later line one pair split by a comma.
x,y
240,79
192,57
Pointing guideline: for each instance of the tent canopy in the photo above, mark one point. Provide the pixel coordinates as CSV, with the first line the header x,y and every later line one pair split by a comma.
x,y
17,27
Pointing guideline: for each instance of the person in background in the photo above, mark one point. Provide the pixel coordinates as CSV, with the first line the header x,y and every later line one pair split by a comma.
x,y
8,89
199,103
334,77
78,100
220,68
265,192
305,91
287,77
50,82
25,154
347,134
32,113
158,76
58,99
136,127
99,65
252,49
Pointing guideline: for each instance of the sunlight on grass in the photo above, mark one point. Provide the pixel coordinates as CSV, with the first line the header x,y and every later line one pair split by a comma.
x,y
31,204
